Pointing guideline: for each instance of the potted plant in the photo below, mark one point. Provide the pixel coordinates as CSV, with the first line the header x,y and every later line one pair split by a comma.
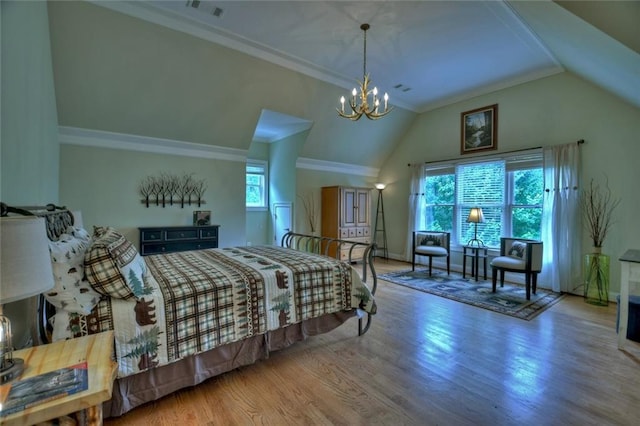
x,y
597,209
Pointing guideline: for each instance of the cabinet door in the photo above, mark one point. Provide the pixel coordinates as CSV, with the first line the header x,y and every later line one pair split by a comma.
x,y
349,207
362,207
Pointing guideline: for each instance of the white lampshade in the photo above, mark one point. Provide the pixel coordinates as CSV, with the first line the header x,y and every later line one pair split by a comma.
x,y
25,262
475,215
380,186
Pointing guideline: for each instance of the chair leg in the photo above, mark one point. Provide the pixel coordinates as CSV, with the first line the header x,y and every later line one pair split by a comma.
x,y
413,262
494,277
430,262
448,265
528,285
501,277
534,283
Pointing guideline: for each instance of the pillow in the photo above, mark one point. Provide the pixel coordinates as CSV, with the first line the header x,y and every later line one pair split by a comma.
x,y
67,325
431,239
71,291
518,249
114,267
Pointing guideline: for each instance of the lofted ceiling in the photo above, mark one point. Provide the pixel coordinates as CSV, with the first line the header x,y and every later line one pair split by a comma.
x,y
425,54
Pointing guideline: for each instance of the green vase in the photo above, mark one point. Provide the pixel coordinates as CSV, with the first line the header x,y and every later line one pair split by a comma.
x,y
596,279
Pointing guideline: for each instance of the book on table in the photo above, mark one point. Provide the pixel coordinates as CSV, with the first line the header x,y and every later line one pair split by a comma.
x,y
26,393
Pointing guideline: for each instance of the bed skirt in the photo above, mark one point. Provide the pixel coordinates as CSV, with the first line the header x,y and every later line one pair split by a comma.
x,y
133,391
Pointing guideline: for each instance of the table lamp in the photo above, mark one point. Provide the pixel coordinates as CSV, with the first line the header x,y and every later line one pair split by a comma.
x,y
475,216
25,271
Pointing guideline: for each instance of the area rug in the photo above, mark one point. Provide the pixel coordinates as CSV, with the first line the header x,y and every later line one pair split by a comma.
x,y
509,300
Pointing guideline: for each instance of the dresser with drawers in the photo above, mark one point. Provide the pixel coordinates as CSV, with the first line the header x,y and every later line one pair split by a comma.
x,y
170,239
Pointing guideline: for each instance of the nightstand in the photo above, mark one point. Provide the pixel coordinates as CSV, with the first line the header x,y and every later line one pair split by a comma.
x,y
475,253
97,350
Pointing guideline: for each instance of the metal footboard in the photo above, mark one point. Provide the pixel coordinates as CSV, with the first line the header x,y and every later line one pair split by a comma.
x,y
326,245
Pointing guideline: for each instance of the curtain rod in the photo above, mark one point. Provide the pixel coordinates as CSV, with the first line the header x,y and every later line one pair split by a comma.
x,y
579,142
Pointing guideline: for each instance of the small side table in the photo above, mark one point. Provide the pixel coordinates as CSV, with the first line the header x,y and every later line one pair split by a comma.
x,y
475,253
97,350
629,279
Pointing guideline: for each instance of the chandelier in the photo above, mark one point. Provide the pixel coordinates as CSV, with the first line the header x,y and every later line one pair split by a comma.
x,y
369,101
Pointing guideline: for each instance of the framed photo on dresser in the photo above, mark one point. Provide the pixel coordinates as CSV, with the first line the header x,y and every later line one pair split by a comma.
x,y
202,218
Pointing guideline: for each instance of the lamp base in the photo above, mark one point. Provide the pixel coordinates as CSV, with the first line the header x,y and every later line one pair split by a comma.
x,y
12,372
474,242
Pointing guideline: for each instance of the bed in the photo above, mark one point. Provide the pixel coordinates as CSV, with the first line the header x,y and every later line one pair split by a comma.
x,y
181,318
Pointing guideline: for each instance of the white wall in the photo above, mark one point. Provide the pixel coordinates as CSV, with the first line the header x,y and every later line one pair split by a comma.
x,y
103,183
29,129
29,136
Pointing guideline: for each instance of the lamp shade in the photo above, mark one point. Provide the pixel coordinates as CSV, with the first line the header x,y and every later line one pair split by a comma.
x,y
475,215
25,262
380,186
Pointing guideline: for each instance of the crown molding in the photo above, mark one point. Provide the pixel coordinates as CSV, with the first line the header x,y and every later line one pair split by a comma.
x,y
111,140
102,139
333,167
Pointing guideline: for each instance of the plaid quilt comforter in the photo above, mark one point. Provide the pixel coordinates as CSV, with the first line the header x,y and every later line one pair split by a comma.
x,y
198,300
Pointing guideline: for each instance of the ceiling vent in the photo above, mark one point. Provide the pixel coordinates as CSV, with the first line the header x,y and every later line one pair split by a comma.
x,y
206,7
402,87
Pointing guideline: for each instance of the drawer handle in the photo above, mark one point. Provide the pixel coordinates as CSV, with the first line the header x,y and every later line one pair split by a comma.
x,y
162,249
182,234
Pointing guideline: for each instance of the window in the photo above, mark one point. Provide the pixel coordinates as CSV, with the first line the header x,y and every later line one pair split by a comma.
x,y
256,177
440,193
508,189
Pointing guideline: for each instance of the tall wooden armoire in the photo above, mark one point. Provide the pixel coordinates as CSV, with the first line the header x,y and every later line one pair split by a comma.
x,y
346,216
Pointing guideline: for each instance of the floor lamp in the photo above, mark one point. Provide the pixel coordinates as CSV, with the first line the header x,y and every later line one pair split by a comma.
x,y
25,270
475,216
380,216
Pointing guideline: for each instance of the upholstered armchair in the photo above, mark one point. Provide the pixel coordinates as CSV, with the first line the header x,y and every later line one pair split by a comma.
x,y
518,255
431,244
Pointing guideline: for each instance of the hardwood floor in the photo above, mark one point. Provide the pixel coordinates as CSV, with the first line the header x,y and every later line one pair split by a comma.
x,y
430,361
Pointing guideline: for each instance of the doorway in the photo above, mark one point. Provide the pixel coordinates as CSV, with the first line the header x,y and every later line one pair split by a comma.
x,y
282,221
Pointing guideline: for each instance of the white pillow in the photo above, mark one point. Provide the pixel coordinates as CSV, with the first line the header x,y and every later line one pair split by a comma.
x,y
71,291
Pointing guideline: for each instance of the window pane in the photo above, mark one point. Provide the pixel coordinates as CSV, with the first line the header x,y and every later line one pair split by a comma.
x,y
256,187
526,222
528,188
489,231
481,184
441,189
440,218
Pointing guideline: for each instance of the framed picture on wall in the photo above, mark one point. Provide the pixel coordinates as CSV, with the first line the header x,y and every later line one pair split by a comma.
x,y
202,217
479,129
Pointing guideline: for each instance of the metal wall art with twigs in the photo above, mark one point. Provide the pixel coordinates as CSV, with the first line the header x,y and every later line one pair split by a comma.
x,y
169,189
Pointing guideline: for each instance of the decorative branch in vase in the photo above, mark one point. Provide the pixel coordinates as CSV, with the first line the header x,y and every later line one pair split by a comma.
x,y
597,209
310,211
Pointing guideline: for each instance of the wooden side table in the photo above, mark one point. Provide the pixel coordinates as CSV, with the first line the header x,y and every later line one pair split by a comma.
x,y
475,253
97,350
629,278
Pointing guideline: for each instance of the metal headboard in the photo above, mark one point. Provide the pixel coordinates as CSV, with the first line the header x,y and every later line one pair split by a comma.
x,y
57,218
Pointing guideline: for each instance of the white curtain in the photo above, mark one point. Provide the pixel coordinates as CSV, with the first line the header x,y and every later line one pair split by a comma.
x,y
416,205
561,219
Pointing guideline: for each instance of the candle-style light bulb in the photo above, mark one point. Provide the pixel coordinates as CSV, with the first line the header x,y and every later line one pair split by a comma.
x,y
342,102
386,98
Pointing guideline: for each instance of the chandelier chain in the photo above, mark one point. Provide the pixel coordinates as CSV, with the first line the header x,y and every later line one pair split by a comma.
x,y
364,63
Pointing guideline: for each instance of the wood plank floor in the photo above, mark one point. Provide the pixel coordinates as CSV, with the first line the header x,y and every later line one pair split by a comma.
x,y
428,361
